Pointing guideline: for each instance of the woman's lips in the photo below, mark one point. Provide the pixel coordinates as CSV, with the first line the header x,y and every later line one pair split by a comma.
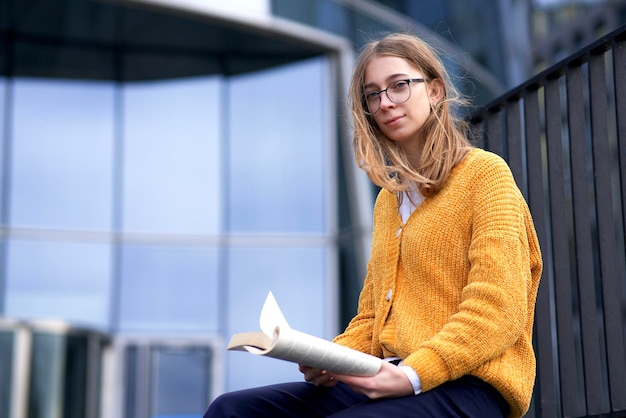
x,y
392,121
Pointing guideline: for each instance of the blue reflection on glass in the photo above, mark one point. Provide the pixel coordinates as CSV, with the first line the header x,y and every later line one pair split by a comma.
x,y
278,148
3,122
180,382
298,278
62,154
63,280
168,288
172,156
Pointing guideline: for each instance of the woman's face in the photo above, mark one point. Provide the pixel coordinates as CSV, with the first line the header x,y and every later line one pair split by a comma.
x,y
400,122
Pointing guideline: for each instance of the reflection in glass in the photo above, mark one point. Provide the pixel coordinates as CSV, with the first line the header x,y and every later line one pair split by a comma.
x,y
172,156
166,380
6,370
131,386
58,380
62,154
75,381
169,288
63,280
299,279
180,384
46,383
3,131
279,145
123,193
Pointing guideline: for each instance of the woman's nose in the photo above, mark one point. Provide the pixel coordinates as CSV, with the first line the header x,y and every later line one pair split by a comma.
x,y
385,102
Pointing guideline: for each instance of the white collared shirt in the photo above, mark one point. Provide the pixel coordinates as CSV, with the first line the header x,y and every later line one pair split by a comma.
x,y
407,206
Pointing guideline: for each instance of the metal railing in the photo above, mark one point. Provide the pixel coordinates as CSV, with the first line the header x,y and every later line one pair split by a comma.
x,y
563,133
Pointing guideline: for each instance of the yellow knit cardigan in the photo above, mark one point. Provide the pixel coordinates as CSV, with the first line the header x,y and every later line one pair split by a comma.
x,y
461,276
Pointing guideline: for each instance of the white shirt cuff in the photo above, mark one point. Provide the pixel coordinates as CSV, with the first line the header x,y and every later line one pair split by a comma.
x,y
413,378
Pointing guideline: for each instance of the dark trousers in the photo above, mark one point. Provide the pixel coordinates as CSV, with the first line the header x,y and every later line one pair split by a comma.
x,y
467,397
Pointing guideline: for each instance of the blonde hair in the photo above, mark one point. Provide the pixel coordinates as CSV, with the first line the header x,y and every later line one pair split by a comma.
x,y
445,133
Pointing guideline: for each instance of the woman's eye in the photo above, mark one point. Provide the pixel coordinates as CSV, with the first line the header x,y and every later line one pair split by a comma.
x,y
399,85
371,95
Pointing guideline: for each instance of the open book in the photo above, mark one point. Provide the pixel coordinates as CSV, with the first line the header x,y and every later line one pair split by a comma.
x,y
279,341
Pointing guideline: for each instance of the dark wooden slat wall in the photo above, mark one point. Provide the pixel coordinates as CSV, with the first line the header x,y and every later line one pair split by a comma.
x,y
547,374
619,69
583,224
560,248
563,133
495,137
609,268
619,75
514,142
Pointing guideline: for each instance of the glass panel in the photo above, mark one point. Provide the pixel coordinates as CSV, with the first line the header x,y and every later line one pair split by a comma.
x,y
172,156
63,162
298,279
46,380
180,382
75,377
324,14
64,280
6,371
169,288
4,88
278,152
132,378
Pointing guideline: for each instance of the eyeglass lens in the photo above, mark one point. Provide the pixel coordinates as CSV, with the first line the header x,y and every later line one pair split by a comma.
x,y
398,92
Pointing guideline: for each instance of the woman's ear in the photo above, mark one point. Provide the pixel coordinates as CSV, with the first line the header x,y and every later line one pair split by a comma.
x,y
436,91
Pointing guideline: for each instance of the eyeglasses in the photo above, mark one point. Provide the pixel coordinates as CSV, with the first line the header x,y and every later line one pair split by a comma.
x,y
398,92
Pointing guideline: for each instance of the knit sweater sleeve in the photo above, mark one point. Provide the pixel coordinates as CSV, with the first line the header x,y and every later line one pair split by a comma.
x,y
495,304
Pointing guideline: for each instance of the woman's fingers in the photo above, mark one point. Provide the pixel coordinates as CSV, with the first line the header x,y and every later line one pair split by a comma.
x,y
316,376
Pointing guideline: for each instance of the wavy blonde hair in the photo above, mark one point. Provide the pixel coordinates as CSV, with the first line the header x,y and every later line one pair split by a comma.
x,y
446,134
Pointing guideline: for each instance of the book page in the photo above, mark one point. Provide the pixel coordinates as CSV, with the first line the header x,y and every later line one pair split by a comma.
x,y
299,347
271,316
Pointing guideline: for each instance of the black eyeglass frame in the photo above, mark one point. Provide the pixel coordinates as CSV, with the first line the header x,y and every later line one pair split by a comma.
x,y
378,93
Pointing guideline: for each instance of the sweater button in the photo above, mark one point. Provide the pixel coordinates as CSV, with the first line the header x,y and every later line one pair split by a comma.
x,y
389,293
398,232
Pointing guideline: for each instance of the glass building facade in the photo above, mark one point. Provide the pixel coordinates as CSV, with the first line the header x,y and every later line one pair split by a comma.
x,y
163,165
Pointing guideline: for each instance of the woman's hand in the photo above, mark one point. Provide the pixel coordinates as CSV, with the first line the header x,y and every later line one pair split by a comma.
x,y
317,376
389,382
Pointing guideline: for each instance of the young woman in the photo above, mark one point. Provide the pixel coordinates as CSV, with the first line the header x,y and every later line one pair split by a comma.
x,y
450,291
